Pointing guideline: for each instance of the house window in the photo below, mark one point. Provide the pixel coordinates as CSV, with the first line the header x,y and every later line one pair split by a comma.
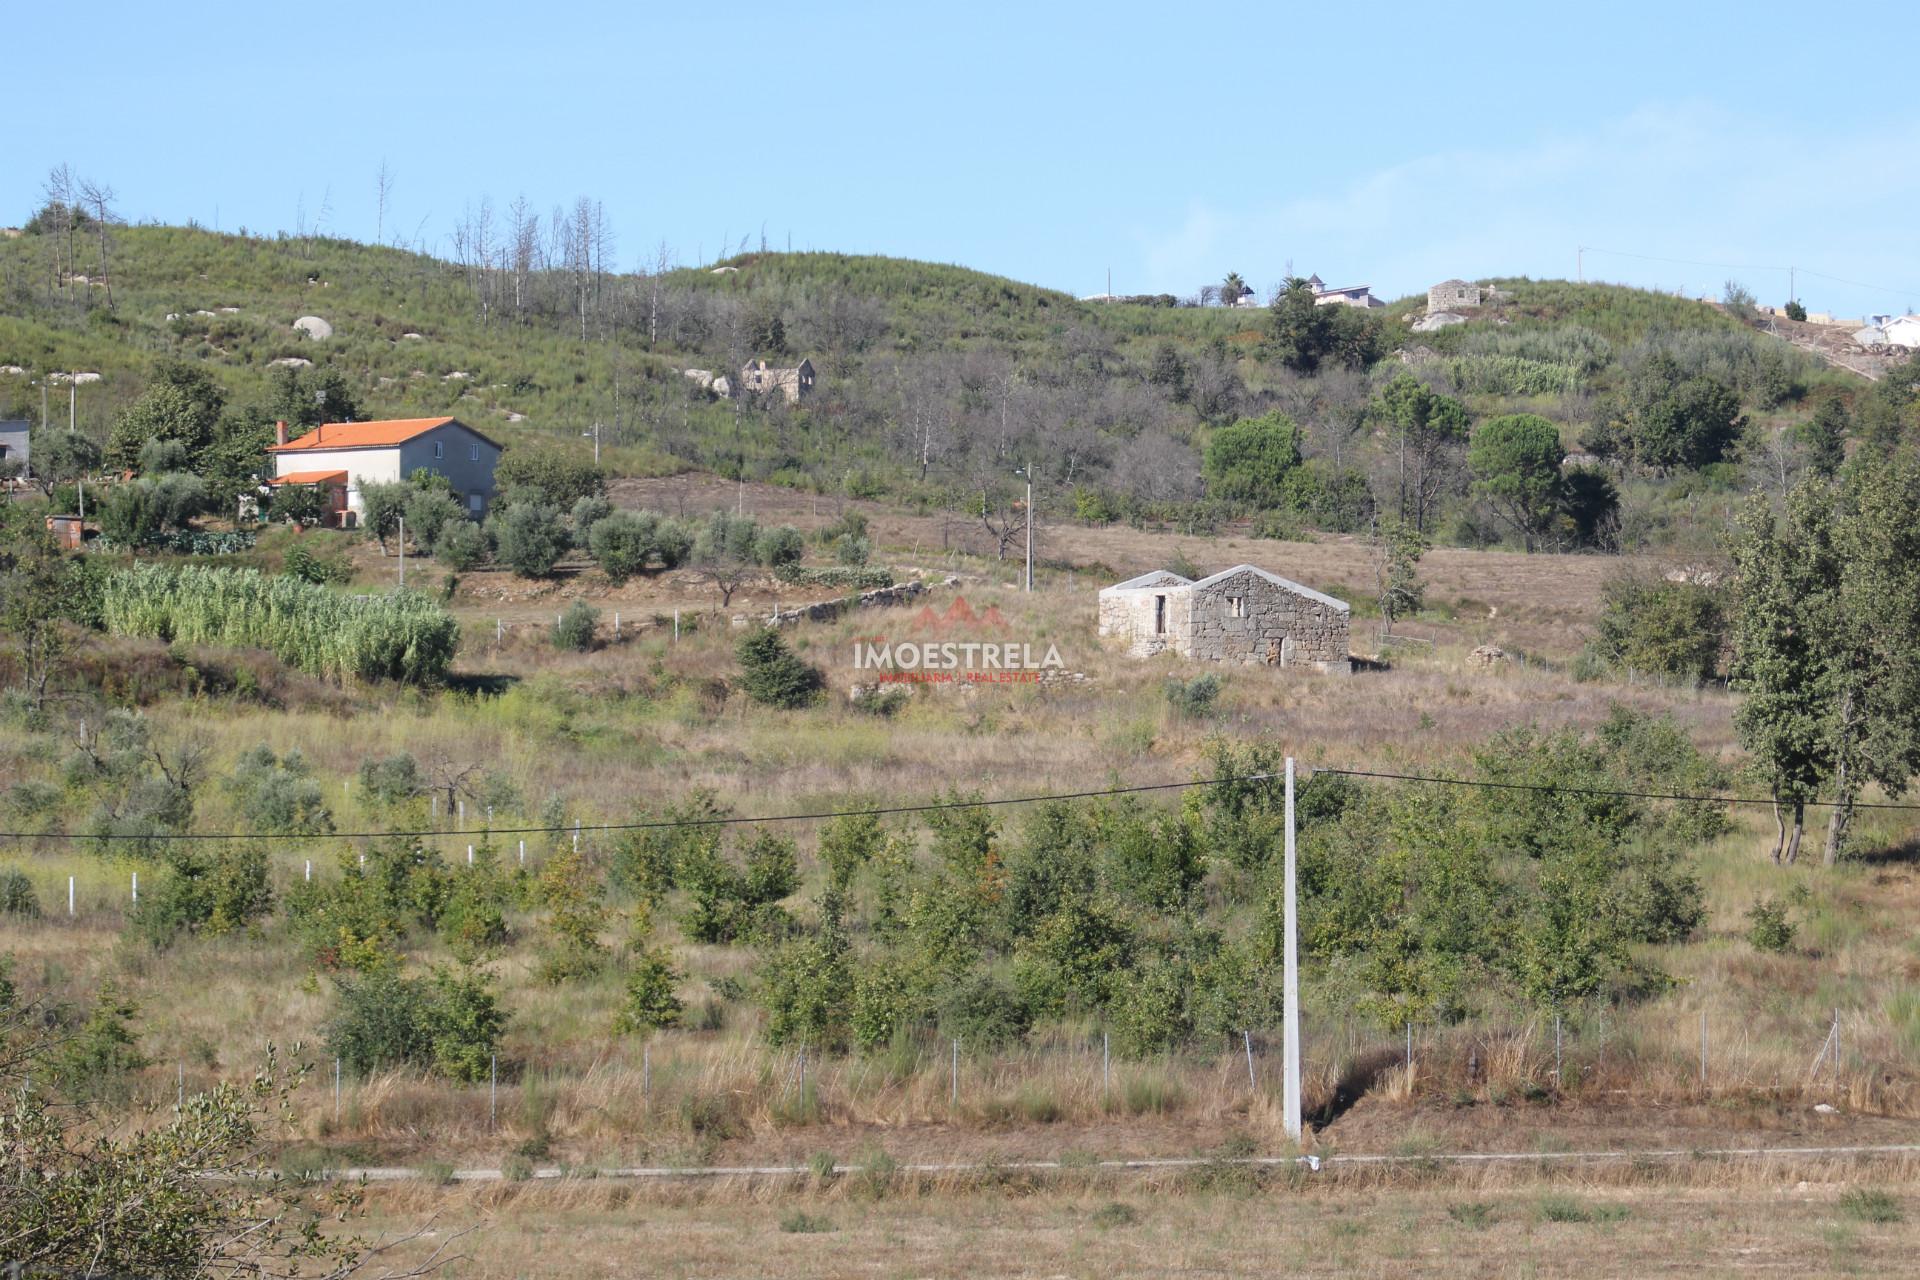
x,y
1237,606
475,502
439,448
1159,615
473,453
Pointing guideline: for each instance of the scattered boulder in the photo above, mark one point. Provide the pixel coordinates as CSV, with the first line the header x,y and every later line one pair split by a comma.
x,y
84,378
411,337
458,375
13,370
172,316
229,311
1487,655
721,271
314,327
290,362
516,417
1438,320
205,313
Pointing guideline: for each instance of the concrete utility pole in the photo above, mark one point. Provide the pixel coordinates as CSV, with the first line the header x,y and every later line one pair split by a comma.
x,y
1290,1102
1580,263
595,433
403,550
1027,471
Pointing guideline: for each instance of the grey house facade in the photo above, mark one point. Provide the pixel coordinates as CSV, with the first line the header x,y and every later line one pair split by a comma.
x,y
14,440
1243,614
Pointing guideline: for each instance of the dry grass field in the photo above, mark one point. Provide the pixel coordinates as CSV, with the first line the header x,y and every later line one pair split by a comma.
x,y
643,720
1809,1218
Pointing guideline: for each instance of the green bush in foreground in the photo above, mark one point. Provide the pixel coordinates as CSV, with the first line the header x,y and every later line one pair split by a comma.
x,y
398,636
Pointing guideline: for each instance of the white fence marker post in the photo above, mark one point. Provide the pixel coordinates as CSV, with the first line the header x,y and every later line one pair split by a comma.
x,y
1252,1083
616,624
136,888
69,895
523,853
469,855
676,626
1290,1105
309,870
493,1093
463,811
498,630
336,1090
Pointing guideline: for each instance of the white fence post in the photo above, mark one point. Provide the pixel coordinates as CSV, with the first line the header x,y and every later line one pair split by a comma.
x,y
136,888
1290,1105
69,896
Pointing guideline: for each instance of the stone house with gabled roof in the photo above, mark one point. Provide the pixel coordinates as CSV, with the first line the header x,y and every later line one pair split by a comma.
x,y
795,384
1243,614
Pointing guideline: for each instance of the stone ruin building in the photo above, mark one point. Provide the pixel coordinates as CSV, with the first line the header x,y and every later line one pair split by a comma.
x,y
1243,614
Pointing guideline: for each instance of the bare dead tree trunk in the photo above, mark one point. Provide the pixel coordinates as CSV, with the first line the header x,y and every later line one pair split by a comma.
x,y
100,197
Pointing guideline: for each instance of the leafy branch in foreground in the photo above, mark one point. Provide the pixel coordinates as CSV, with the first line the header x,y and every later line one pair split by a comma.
x,y
182,1199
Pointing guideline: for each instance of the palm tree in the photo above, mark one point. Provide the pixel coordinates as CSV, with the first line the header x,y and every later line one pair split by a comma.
x,y
1232,290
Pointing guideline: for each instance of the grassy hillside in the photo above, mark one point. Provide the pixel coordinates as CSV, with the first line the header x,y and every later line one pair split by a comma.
x,y
935,381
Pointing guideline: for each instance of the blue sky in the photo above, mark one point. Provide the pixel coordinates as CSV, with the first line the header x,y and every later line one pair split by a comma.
x,y
1388,144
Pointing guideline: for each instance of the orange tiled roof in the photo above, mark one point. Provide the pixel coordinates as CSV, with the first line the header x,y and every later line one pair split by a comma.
x,y
309,477
361,435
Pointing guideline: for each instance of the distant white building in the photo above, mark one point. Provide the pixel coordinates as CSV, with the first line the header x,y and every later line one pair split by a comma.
x,y
1903,331
14,438
342,456
1352,295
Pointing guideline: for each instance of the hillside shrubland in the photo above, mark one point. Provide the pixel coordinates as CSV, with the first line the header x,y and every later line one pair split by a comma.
x,y
935,382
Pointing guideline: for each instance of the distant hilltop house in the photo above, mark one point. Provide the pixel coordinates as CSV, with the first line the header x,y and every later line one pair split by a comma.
x,y
342,457
761,378
1352,295
1243,614
1247,297
1902,331
1452,295
15,437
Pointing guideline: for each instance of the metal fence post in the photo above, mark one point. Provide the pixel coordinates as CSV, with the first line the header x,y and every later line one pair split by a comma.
x,y
1106,1058
1247,1038
953,1092
336,1090
493,1092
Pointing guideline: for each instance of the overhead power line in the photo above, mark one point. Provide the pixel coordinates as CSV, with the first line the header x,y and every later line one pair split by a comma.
x,y
734,820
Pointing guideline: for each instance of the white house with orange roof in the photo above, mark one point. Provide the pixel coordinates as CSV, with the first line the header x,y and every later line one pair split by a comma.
x,y
344,456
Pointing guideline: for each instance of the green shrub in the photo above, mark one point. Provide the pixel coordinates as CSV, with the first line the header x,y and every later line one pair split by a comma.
x,y
278,795
575,629
1193,699
528,538
395,636
462,545
17,897
628,542
799,1222
651,1002
779,546
430,513
391,780
772,674
1769,929
543,475
104,1050
983,1012
1870,1205
307,565
450,1022
203,893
